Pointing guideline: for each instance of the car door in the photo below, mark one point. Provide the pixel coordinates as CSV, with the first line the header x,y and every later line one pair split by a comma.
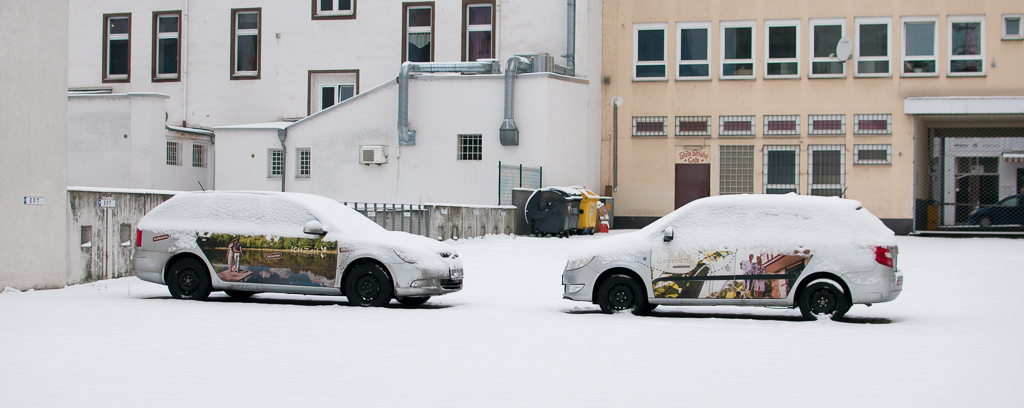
x,y
766,275
677,274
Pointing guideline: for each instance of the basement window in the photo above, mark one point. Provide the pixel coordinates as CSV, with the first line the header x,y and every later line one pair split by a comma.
x,y
736,125
1012,29
693,125
872,154
826,124
199,155
872,124
173,153
471,147
646,126
777,125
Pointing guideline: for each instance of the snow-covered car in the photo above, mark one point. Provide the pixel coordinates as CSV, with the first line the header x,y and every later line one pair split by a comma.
x,y
821,254
250,242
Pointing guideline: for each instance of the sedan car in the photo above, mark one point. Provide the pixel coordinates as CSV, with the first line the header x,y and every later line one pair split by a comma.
x,y
1009,210
250,242
818,254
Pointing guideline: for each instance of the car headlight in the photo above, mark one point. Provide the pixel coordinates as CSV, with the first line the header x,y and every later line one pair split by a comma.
x,y
405,257
578,263
455,273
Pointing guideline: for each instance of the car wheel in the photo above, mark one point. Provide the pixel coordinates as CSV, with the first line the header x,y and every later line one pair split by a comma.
x,y
413,300
188,279
239,294
368,285
985,222
823,298
619,293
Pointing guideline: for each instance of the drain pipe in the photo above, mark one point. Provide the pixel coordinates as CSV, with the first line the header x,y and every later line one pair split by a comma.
x,y
407,137
282,134
570,40
508,133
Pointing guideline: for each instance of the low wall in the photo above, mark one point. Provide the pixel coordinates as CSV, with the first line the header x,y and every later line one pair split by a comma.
x,y
454,221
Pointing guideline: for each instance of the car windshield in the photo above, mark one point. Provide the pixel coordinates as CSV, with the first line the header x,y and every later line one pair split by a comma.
x,y
1010,201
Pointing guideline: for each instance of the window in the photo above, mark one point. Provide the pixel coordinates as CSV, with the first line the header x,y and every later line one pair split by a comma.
x,y
824,38
737,170
332,94
872,154
117,47
649,51
327,88
418,21
694,46
275,163
781,169
1012,29
173,154
736,125
471,147
166,46
737,50
245,43
877,124
334,9
872,55
693,126
86,236
966,45
304,163
125,234
650,126
826,176
478,30
776,125
826,124
781,47
919,46
198,155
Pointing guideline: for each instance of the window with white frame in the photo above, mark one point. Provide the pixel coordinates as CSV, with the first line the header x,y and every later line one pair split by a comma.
x,y
275,163
334,93
920,45
198,155
166,46
824,38
330,87
781,169
478,19
649,49
471,147
303,163
173,153
419,32
872,55
693,125
693,43
878,154
648,126
736,125
781,125
1012,29
117,47
737,53
966,45
826,124
782,49
334,9
826,174
872,124
245,43
736,170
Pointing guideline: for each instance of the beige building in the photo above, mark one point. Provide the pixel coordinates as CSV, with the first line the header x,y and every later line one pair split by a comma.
x,y
923,121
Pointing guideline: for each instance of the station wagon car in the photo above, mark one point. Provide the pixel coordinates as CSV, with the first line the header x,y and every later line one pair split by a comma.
x,y
1009,210
249,242
818,254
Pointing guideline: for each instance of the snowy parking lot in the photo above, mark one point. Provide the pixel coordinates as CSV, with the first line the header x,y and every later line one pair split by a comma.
x,y
953,338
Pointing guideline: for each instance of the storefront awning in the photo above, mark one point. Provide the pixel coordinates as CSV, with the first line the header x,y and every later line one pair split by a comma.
x,y
964,105
1013,157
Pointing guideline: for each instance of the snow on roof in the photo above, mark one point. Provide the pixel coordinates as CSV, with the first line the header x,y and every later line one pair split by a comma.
x,y
114,190
257,126
190,130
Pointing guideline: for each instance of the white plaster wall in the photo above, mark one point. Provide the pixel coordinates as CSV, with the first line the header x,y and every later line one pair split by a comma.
x,y
98,153
241,159
33,129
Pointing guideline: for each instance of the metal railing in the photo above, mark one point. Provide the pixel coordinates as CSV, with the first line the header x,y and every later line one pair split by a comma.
x,y
411,218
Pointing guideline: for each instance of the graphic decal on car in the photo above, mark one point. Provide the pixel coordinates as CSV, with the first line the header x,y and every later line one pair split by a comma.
x,y
715,275
271,260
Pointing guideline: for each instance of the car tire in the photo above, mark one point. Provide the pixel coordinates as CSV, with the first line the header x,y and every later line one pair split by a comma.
x,y
413,300
188,278
985,222
620,293
823,298
649,308
368,285
239,294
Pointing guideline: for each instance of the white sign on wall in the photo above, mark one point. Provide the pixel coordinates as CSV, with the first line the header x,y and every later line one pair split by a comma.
x,y
107,203
33,200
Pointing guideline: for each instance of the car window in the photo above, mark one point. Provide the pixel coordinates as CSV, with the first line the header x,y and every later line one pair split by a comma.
x,y
1012,201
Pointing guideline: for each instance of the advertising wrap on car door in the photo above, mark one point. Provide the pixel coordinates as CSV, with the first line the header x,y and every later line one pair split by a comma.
x,y
726,274
271,260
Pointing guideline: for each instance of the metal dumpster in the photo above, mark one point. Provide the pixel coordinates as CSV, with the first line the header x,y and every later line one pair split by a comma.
x,y
553,210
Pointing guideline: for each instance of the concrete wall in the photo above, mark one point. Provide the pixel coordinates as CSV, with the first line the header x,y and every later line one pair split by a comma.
x,y
33,127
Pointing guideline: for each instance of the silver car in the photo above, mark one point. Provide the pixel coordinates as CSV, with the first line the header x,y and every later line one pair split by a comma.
x,y
820,254
250,242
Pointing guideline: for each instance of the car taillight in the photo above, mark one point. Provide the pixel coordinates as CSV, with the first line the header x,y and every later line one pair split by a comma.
x,y
883,256
138,237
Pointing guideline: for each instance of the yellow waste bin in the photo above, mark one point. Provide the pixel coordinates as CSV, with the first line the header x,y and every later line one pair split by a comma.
x,y
588,211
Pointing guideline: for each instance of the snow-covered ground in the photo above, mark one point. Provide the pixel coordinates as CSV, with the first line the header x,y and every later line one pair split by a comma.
x,y
953,338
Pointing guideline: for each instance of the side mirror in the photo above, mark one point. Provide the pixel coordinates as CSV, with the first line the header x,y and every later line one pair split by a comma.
x,y
669,234
314,228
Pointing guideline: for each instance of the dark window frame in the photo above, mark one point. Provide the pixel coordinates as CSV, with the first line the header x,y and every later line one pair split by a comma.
x,y
259,43
405,27
106,43
465,26
156,48
309,84
316,16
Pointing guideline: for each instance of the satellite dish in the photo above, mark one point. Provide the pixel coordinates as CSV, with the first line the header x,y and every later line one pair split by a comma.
x,y
843,48
616,101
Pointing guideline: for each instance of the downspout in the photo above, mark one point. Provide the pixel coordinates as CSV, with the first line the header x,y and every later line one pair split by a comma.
x,y
570,40
282,134
407,137
184,66
508,133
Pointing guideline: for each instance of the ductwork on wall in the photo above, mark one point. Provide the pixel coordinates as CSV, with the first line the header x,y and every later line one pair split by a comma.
x,y
407,137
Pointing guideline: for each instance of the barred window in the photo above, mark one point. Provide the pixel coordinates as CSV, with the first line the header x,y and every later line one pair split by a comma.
x,y
781,169
471,147
827,175
826,124
693,126
877,124
781,125
304,163
198,155
173,154
872,154
736,125
275,163
650,126
736,165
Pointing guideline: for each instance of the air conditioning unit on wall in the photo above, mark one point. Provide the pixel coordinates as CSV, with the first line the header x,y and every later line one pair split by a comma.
x,y
373,155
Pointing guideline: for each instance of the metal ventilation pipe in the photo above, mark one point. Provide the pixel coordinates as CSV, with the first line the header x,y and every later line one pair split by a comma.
x,y
570,41
508,134
407,137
